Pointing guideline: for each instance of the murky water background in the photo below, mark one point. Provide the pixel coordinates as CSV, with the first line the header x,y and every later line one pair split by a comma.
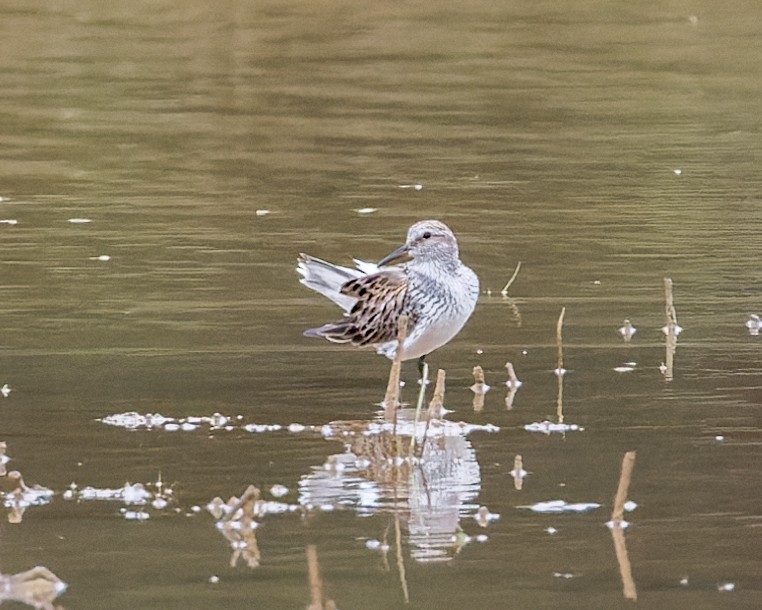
x,y
604,145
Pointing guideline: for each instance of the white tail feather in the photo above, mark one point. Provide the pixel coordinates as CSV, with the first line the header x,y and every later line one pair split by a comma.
x,y
327,278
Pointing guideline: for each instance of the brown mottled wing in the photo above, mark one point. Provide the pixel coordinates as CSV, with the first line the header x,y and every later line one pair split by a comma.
x,y
373,318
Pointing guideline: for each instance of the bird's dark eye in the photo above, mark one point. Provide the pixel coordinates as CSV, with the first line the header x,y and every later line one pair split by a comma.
x,y
427,234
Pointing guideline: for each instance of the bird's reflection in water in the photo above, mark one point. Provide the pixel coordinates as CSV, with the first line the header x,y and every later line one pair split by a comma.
x,y
430,491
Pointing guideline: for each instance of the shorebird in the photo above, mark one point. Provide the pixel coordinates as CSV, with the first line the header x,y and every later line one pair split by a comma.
x,y
434,289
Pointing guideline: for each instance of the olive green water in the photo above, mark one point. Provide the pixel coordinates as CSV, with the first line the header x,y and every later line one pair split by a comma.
x,y
606,145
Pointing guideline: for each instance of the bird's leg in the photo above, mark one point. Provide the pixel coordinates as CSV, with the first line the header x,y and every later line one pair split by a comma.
x,y
420,366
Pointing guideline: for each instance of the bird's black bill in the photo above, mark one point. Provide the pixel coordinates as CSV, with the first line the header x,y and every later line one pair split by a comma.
x,y
396,255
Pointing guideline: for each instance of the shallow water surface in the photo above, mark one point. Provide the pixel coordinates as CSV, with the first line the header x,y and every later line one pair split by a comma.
x,y
163,165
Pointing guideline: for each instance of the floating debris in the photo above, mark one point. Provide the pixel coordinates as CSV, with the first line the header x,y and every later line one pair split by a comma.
x,y
624,369
262,427
417,187
684,581
262,212
279,491
618,524
630,506
726,587
214,579
677,172
754,323
483,517
37,588
18,496
236,521
561,506
150,421
22,495
437,428
133,420
546,427
9,221
376,545
676,329
104,258
6,390
79,221
366,210
719,438
551,530
156,494
564,575
627,330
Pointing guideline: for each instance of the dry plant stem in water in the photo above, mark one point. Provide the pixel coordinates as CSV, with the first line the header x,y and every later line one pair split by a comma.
x,y
504,291
398,546
479,388
559,340
247,501
628,463
629,589
317,596
435,407
518,469
560,371
392,398
513,384
419,406
671,341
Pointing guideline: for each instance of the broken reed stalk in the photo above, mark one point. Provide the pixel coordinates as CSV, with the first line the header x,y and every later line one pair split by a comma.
x,y
418,407
560,371
560,339
512,379
669,304
504,291
518,469
246,502
671,342
479,388
513,384
392,397
628,463
629,590
437,400
398,545
435,407
316,584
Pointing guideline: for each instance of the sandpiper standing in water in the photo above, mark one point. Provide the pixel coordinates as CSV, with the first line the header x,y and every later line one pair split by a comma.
x,y
434,289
